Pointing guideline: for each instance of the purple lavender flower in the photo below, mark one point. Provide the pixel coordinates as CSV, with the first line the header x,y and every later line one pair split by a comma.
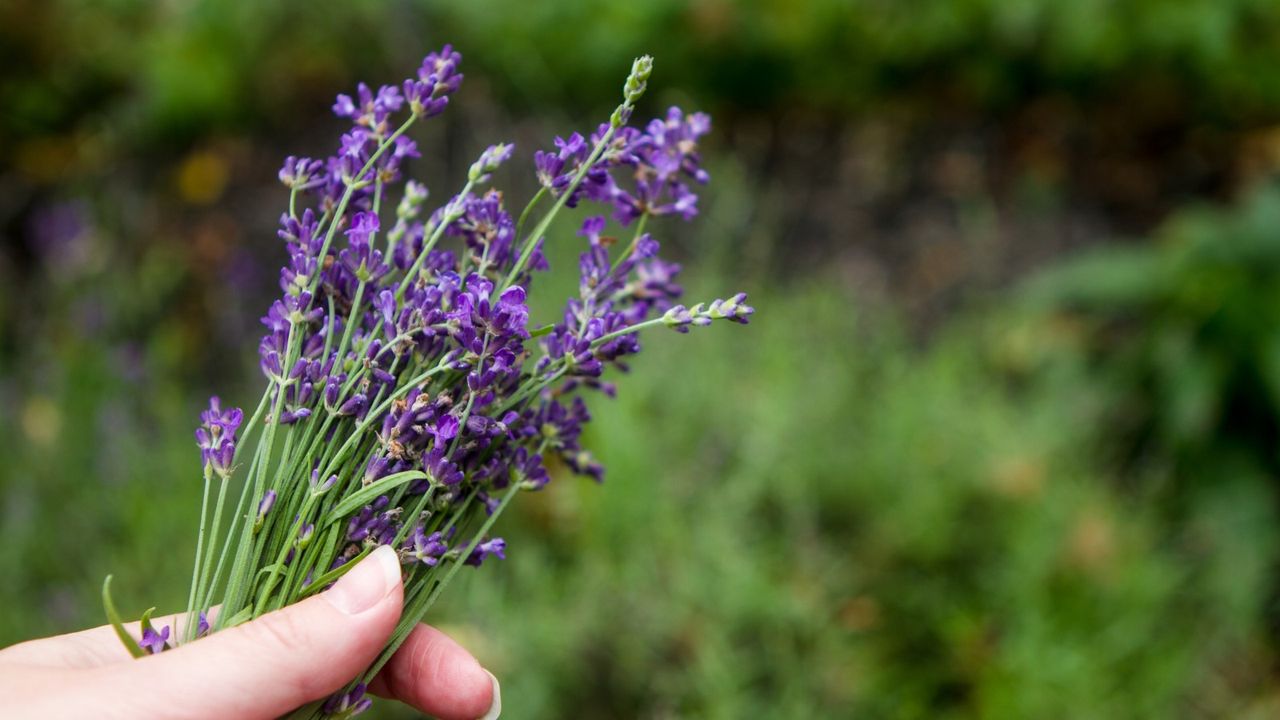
x,y
487,230
423,548
348,704
440,469
663,160
374,523
555,171
495,547
368,109
438,78
216,436
155,642
300,173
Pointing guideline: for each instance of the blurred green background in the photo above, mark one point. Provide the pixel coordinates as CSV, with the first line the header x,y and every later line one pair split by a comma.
x,y
1000,443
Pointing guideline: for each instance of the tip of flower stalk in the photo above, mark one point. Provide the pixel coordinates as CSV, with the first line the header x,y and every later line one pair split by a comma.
x,y
637,82
491,159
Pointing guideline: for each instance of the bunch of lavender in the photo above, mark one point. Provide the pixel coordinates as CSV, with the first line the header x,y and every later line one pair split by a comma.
x,y
408,400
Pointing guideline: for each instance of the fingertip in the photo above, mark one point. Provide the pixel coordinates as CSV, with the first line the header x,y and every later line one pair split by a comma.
x,y
495,701
372,581
437,676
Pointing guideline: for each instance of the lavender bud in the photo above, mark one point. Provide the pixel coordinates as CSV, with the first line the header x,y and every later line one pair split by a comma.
x,y
633,89
264,507
318,487
415,194
353,405
304,535
490,160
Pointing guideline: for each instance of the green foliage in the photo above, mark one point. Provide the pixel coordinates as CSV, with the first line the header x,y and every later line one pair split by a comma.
x,y
1212,56
1179,339
840,525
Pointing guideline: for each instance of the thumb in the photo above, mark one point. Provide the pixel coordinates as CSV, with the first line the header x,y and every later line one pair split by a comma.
x,y
275,663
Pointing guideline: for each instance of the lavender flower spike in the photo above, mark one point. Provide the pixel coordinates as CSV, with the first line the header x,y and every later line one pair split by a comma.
x,y
735,309
216,436
637,82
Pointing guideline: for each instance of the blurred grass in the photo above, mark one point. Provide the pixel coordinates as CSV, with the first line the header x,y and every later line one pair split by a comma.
x,y
808,517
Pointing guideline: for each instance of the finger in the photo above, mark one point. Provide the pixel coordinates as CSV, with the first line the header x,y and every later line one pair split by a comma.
x,y
89,648
266,667
437,676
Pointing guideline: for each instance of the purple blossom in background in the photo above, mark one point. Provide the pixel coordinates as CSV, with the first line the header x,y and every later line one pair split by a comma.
x,y
60,234
300,173
428,94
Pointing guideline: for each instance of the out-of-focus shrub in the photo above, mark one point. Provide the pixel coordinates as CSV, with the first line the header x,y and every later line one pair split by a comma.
x,y
843,526
1214,56
1179,338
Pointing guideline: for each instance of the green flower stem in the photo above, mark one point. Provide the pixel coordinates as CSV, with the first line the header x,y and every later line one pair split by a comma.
x,y
308,562
351,188
531,242
198,566
635,240
414,611
627,331
452,212
534,388
351,321
240,566
285,543
533,202
228,540
373,415
206,564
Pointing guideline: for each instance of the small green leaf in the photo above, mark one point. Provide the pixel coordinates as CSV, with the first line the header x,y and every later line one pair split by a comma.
x,y
544,330
319,583
113,617
269,568
361,497
240,617
145,622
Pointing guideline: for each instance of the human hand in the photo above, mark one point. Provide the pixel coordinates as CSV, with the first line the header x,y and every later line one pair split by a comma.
x,y
262,669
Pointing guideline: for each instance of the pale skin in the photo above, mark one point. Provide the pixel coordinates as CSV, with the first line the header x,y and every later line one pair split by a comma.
x,y
262,669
